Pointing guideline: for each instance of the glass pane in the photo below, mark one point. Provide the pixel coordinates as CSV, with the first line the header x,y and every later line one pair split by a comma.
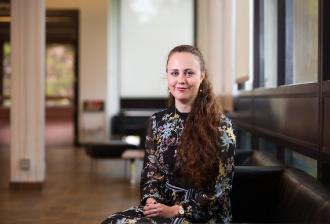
x,y
60,74
270,43
301,162
305,41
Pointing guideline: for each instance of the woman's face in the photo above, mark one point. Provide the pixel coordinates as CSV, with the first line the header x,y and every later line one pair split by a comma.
x,y
184,77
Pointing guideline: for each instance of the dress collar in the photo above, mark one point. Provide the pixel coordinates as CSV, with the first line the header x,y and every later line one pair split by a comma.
x,y
183,115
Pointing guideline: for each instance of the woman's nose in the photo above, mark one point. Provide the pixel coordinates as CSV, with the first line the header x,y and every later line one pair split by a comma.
x,y
181,78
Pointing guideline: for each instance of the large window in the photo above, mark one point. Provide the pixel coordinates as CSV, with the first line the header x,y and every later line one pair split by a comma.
x,y
302,41
59,76
270,43
291,27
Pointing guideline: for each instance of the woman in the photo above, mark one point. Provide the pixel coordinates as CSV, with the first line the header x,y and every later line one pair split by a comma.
x,y
189,160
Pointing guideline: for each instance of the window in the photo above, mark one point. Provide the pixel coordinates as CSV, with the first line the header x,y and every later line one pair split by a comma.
x,y
298,21
301,41
301,162
270,43
60,74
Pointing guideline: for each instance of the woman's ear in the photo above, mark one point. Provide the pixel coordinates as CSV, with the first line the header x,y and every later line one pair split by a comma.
x,y
202,77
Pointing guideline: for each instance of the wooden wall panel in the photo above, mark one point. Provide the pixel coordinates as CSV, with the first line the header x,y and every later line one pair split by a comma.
x,y
288,116
268,113
301,119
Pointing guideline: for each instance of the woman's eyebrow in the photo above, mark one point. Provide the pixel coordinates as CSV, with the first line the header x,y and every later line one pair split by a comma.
x,y
176,69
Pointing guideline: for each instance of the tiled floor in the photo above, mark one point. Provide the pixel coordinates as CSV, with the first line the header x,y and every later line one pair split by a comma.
x,y
73,193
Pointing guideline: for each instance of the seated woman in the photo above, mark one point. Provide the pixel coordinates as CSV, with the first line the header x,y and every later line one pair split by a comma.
x,y
189,160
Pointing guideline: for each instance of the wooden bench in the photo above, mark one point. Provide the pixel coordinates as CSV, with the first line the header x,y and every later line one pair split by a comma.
x,y
134,156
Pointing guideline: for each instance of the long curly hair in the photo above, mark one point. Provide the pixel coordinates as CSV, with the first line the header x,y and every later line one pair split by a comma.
x,y
198,151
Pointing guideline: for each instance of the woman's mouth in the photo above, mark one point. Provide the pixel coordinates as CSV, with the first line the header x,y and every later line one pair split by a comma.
x,y
181,89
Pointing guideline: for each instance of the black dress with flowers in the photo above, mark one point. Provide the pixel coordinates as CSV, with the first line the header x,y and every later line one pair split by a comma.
x,y
159,179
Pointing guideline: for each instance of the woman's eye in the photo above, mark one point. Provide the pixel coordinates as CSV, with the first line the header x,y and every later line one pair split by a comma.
x,y
190,73
174,73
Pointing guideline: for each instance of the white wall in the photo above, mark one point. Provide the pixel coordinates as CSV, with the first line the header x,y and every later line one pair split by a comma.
x,y
93,55
148,31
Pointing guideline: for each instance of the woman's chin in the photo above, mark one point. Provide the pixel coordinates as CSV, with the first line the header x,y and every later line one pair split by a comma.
x,y
183,99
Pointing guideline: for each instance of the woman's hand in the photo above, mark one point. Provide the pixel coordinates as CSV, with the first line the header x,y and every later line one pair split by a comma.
x,y
158,209
151,201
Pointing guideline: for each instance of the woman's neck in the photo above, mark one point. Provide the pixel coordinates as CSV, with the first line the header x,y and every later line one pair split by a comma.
x,y
182,107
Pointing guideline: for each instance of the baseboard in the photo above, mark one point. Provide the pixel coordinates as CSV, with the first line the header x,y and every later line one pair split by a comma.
x,y
26,185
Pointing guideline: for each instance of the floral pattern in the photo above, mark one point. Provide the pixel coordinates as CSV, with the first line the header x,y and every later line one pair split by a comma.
x,y
160,181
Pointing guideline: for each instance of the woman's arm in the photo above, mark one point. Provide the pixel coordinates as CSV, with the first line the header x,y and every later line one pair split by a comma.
x,y
216,202
150,177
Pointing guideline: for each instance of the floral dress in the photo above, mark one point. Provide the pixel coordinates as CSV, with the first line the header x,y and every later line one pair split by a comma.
x,y
160,180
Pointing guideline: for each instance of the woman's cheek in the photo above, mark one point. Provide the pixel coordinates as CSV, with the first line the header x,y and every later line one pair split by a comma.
x,y
171,85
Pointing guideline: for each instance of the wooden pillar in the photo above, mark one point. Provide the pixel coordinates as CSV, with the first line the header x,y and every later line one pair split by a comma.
x,y
27,149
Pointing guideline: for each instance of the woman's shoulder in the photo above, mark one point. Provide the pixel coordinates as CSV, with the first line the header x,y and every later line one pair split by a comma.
x,y
157,116
225,121
162,113
226,127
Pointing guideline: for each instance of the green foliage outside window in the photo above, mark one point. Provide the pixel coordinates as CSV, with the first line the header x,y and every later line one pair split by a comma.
x,y
59,74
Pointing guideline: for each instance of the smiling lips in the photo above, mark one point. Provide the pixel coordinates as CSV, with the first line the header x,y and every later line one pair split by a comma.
x,y
181,89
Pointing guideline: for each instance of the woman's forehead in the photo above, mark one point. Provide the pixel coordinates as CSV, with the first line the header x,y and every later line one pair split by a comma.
x,y
180,59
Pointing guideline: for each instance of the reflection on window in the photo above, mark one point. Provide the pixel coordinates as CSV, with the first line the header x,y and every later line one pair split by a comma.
x,y
304,28
60,74
301,162
270,43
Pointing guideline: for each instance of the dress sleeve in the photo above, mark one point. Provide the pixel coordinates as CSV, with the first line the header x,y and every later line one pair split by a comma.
x,y
149,177
215,202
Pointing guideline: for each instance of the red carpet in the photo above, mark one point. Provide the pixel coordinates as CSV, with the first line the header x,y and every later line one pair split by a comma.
x,y
57,133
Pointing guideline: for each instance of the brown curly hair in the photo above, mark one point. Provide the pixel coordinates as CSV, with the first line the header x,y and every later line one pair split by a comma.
x,y
198,151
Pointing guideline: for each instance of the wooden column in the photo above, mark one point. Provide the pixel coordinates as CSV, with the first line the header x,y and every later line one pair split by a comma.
x,y
27,114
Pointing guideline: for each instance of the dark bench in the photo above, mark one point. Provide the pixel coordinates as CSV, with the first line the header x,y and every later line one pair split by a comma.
x,y
108,149
277,194
123,125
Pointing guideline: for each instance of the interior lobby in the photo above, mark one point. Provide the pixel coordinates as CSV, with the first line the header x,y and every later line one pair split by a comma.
x,y
80,78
